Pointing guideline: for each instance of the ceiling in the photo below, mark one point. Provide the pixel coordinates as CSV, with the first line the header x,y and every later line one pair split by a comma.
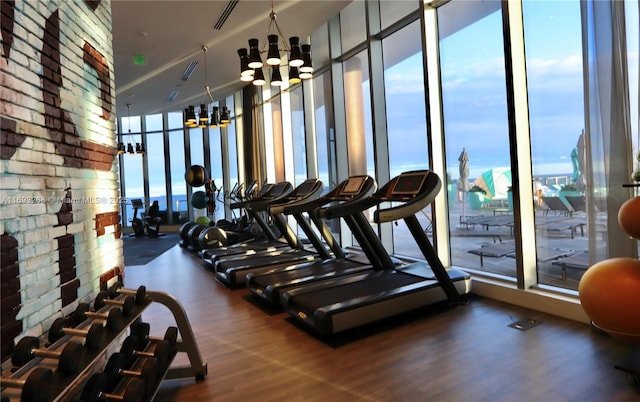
x,y
171,34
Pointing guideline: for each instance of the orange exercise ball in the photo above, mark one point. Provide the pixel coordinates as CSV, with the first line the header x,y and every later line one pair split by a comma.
x,y
629,217
610,295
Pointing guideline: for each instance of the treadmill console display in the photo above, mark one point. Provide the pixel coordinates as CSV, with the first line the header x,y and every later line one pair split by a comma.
x,y
353,185
278,189
306,187
409,183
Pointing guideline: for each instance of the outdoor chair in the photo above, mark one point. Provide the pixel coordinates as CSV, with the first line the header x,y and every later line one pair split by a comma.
x,y
579,261
577,203
556,205
496,250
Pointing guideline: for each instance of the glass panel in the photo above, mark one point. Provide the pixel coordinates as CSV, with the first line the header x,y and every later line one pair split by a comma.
x,y
298,136
358,115
324,129
393,10
178,168
475,121
358,112
155,160
197,158
353,29
215,145
632,12
132,165
233,153
175,120
153,123
278,144
406,119
553,40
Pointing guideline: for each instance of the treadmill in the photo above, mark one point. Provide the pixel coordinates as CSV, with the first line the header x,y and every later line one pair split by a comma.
x,y
231,270
335,305
268,286
256,208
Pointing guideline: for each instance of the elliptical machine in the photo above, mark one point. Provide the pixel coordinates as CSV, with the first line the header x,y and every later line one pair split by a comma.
x,y
136,223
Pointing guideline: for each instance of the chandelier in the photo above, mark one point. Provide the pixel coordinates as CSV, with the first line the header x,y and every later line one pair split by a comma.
x,y
129,148
299,56
201,117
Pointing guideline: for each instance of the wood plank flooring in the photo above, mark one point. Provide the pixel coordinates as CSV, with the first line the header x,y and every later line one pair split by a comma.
x,y
467,353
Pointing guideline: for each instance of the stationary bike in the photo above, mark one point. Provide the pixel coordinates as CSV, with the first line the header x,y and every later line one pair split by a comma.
x,y
136,222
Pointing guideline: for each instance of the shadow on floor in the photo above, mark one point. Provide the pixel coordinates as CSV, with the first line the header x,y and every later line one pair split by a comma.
x,y
142,250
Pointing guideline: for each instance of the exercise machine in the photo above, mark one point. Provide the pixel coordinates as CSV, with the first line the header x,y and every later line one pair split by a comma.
x,y
267,286
233,269
335,305
136,223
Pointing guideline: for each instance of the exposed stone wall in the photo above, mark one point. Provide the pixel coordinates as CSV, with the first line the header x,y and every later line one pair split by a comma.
x,y
60,211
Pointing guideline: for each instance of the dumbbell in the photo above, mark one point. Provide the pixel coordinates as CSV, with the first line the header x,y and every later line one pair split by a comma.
x,y
96,390
161,351
92,335
116,368
35,388
141,331
113,318
140,293
139,296
126,305
28,347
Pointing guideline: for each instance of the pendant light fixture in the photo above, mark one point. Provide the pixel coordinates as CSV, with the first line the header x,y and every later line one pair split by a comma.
x,y
202,118
129,148
299,56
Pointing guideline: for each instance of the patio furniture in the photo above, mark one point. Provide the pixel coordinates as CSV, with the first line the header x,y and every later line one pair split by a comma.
x,y
577,202
579,261
493,250
546,254
570,224
494,234
556,205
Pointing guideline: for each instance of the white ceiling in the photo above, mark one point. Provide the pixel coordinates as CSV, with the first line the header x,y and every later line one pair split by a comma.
x,y
171,34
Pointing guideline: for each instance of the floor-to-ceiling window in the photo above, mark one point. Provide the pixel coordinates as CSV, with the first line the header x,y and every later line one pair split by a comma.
x,y
132,166
298,135
476,130
155,160
553,43
406,117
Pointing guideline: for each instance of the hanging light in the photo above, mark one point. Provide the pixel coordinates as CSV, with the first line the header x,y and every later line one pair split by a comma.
x,y
215,120
258,77
276,77
251,61
121,148
129,147
201,118
294,75
225,116
306,69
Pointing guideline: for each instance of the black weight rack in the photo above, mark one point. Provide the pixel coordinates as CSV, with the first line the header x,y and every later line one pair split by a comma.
x,y
68,387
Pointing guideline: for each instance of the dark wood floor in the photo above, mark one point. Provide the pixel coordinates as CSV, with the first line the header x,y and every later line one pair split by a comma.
x,y
468,353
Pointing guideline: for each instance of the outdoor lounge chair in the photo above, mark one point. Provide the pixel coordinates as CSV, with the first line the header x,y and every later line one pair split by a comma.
x,y
579,261
577,203
555,204
496,250
546,254
570,224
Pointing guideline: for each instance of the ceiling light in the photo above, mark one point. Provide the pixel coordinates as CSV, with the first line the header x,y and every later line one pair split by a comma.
x,y
201,120
298,56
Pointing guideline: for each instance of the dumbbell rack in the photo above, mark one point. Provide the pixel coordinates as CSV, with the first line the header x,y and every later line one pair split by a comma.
x,y
65,388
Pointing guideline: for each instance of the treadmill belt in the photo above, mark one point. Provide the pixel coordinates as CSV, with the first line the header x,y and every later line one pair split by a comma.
x,y
371,286
314,270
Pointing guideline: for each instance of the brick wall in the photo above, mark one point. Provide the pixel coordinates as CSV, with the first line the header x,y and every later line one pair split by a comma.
x,y
59,207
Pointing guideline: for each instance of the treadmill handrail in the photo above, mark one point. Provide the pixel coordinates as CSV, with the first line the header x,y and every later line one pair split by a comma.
x,y
262,204
369,187
294,198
